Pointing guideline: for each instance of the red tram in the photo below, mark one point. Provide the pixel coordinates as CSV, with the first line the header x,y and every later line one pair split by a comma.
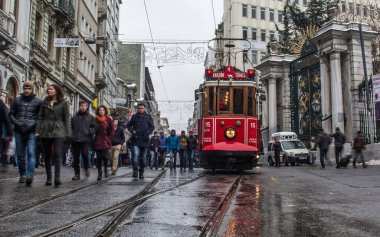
x,y
228,128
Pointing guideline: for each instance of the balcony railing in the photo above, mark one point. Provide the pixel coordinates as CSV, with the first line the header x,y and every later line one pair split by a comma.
x,y
67,7
7,24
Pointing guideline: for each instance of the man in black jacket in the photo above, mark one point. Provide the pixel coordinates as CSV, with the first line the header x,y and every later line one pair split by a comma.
x,y
324,141
24,115
339,140
84,130
6,132
191,146
153,143
141,126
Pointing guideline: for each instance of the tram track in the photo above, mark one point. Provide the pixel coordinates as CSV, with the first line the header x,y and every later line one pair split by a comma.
x,y
212,225
57,196
123,209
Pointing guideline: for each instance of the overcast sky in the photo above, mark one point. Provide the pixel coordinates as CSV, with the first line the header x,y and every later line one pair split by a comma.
x,y
173,20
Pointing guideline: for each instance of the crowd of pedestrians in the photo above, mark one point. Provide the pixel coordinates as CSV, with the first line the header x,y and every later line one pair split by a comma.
x,y
324,140
44,128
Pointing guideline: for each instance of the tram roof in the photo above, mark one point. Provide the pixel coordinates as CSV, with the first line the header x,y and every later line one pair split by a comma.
x,y
230,83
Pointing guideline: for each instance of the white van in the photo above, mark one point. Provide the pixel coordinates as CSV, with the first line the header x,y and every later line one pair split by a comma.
x,y
293,151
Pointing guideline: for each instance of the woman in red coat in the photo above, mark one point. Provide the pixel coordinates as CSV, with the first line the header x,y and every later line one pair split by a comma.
x,y
103,139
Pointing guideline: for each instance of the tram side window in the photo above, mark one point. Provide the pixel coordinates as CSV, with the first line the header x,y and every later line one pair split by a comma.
x,y
238,101
224,100
250,101
211,101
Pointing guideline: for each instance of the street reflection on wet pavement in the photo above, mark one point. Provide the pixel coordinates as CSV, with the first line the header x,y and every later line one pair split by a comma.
x,y
290,201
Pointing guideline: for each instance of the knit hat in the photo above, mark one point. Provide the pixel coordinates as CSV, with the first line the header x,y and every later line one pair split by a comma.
x,y
28,84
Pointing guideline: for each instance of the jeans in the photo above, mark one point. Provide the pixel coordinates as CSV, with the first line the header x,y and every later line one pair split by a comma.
x,y
182,158
154,160
323,156
360,154
162,154
191,158
26,148
173,158
80,148
338,155
139,158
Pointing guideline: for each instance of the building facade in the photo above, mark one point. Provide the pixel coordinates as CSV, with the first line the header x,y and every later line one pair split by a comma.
x,y
107,51
255,21
50,64
14,47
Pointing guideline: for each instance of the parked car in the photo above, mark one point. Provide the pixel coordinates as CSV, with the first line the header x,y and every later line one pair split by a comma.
x,y
293,151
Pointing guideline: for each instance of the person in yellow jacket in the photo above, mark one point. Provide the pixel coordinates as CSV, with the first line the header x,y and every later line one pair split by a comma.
x,y
182,150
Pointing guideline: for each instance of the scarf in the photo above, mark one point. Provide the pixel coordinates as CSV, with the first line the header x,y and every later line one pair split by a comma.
x,y
101,119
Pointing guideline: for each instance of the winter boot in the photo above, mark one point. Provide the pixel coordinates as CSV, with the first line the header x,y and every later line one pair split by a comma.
x,y
99,174
141,175
134,175
29,181
76,177
105,172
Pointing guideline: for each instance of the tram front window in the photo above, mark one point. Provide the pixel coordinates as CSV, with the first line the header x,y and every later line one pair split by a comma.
x,y
238,101
224,100
250,101
211,102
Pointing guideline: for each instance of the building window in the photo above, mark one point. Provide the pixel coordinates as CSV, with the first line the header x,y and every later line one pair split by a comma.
x,y
58,56
304,2
263,36
38,28
1,4
244,10
254,34
343,7
245,32
68,58
280,17
358,10
262,13
271,35
296,1
271,15
254,57
365,11
253,12
50,46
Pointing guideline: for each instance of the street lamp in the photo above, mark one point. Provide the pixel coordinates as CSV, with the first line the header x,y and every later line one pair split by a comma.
x,y
316,106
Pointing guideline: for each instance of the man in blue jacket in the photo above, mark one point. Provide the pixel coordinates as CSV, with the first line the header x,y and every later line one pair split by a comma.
x,y
140,126
173,148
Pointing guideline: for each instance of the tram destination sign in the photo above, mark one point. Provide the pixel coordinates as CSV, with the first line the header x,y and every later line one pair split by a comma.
x,y
228,73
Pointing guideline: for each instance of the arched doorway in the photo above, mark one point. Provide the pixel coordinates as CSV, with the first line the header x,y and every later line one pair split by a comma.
x,y
12,91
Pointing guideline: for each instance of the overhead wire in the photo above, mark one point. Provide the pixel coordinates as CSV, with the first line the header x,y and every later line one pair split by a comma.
x,y
213,13
154,49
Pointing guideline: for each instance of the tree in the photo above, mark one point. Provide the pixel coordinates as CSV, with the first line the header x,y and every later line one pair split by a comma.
x,y
286,33
299,25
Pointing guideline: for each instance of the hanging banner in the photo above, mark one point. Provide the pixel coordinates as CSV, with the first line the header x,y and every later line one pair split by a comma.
x,y
66,42
376,92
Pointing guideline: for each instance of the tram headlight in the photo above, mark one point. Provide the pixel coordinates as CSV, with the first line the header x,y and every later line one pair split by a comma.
x,y
230,133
